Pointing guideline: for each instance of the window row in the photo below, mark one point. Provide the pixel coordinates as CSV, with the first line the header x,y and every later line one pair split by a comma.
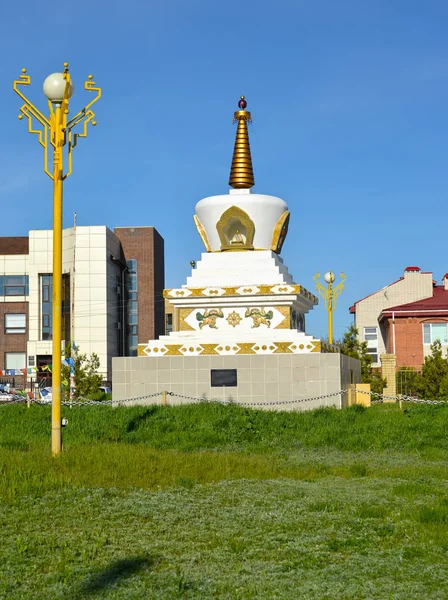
x,y
433,332
15,323
371,339
15,360
14,285
132,307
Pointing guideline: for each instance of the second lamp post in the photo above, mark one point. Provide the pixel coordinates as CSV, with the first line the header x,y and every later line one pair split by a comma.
x,y
329,295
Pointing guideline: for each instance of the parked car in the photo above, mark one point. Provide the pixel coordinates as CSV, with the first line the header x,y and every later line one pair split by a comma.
x,y
106,389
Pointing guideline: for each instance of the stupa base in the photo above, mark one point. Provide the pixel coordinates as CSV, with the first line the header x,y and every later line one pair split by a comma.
x,y
271,382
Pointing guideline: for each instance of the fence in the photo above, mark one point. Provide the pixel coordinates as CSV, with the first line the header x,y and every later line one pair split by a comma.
x,y
407,380
20,382
165,396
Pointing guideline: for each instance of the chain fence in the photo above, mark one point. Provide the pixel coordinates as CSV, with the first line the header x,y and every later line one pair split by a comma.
x,y
12,398
252,404
376,398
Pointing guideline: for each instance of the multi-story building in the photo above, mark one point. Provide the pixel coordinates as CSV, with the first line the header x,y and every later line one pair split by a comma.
x,y
112,293
404,318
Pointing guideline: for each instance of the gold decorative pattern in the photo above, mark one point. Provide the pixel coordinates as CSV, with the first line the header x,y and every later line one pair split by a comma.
x,y
202,233
263,290
279,233
238,348
246,349
282,348
173,350
230,291
183,314
232,217
233,318
286,312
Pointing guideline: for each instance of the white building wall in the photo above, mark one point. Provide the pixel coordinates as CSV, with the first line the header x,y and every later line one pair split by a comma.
x,y
93,294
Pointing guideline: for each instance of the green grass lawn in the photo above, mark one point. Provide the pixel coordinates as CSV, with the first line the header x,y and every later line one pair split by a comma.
x,y
217,501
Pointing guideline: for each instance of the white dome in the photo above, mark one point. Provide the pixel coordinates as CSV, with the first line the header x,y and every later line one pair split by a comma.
x,y
242,214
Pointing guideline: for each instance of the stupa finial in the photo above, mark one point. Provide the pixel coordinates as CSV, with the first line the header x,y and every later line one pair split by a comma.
x,y
241,171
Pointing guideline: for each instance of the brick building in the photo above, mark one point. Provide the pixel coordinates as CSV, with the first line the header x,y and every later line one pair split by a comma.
x,y
404,318
145,266
112,297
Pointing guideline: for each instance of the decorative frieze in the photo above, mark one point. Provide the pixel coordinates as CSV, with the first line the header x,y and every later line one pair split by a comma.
x,y
248,290
192,348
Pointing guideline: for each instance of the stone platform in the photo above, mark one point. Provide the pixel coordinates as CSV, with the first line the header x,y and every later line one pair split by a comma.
x,y
260,378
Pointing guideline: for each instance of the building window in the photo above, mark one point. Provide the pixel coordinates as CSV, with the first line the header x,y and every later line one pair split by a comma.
x,y
46,294
14,285
371,339
433,332
15,323
132,301
168,323
15,360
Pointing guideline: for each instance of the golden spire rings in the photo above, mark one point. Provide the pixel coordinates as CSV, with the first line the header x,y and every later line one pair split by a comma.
x,y
241,172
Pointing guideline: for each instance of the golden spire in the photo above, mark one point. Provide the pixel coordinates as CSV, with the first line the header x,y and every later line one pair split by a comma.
x,y
241,172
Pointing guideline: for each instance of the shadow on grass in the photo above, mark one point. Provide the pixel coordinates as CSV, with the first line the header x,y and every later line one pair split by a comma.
x,y
136,421
114,573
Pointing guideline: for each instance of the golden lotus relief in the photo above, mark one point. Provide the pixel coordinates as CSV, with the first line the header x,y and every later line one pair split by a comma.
x,y
236,230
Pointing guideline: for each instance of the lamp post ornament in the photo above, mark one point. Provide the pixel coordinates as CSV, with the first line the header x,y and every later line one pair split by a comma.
x,y
54,132
329,295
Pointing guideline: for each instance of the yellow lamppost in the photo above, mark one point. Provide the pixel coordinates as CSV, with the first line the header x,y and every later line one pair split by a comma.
x,y
54,132
329,295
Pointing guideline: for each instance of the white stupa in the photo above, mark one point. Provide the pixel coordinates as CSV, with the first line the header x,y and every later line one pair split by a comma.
x,y
240,298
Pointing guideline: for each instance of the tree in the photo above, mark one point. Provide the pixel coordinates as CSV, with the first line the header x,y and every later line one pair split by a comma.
x,y
434,379
88,380
351,346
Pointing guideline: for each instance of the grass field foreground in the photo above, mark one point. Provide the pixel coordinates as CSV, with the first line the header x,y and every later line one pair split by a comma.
x,y
223,502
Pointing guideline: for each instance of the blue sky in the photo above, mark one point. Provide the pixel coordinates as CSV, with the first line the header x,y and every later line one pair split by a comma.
x,y
350,108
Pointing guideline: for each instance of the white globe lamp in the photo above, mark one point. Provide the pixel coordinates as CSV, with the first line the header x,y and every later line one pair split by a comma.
x,y
329,277
54,88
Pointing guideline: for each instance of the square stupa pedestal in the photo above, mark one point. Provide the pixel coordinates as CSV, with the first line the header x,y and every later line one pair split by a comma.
x,y
277,381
